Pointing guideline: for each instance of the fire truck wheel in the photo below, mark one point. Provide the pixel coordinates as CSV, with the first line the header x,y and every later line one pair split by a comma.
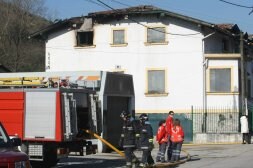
x,y
50,160
50,156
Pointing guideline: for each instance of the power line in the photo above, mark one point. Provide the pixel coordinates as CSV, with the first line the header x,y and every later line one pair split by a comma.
x,y
96,3
236,4
243,6
146,25
121,3
198,13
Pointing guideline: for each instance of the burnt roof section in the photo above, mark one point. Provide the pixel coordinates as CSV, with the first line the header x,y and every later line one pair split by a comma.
x,y
121,13
137,9
144,9
230,27
56,26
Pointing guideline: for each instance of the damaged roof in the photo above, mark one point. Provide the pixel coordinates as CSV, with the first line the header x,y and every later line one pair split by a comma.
x,y
125,12
230,27
56,26
130,10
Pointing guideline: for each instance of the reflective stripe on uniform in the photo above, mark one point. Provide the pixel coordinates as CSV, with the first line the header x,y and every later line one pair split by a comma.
x,y
130,128
128,146
150,140
122,135
144,147
137,135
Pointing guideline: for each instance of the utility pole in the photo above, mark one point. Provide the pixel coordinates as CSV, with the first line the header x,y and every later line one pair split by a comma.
x,y
242,75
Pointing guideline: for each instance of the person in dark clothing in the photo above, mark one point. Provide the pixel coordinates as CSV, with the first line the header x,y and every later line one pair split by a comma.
x,y
146,141
127,139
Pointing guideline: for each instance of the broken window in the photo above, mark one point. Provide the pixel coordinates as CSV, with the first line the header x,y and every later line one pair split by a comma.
x,y
85,38
156,81
220,80
156,35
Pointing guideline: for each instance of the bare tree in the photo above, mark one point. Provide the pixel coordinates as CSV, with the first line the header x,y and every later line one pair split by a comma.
x,y
18,19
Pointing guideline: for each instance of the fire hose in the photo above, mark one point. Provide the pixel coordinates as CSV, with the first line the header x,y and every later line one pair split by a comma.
x,y
105,142
188,157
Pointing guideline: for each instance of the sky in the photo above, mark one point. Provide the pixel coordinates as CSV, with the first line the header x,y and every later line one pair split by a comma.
x,y
213,11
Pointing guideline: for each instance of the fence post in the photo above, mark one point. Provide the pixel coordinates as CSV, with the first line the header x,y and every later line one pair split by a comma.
x,y
204,112
192,121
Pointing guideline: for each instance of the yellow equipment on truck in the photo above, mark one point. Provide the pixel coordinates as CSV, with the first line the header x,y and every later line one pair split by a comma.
x,y
50,110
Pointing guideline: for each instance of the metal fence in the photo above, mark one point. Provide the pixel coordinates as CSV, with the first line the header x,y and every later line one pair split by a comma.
x,y
211,120
215,120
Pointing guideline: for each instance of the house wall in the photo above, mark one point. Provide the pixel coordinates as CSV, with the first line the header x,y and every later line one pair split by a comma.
x,y
223,99
182,58
213,44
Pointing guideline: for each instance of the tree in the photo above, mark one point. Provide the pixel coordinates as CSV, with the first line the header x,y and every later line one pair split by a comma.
x,y
19,18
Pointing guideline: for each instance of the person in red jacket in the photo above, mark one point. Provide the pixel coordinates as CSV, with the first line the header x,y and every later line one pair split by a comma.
x,y
177,139
162,139
169,125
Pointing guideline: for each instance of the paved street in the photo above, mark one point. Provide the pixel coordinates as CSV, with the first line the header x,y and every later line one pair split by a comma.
x,y
220,156
203,156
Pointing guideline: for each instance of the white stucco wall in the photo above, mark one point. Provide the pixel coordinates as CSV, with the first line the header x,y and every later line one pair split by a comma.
x,y
182,58
230,99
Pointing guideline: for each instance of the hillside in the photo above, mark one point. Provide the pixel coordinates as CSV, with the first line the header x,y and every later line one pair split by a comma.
x,y
18,20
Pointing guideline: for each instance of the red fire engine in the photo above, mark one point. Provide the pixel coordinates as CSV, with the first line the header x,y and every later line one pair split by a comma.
x,y
50,110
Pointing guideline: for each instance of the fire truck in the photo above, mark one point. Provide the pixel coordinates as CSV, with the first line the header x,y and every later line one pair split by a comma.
x,y
49,111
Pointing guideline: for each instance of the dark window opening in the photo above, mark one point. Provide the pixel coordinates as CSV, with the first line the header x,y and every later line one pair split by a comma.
x,y
225,45
85,38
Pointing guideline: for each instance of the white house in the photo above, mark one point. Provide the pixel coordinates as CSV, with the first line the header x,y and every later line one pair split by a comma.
x,y
178,62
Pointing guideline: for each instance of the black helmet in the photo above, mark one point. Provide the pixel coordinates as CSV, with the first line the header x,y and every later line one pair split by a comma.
x,y
125,114
143,117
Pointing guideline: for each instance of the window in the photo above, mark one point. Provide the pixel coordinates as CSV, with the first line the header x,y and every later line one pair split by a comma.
x,y
220,80
224,45
156,82
85,38
156,35
118,37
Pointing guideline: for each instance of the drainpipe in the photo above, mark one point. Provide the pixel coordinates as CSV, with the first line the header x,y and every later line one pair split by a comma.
x,y
205,66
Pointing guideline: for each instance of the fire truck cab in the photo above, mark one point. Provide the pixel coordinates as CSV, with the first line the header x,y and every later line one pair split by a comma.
x,y
50,117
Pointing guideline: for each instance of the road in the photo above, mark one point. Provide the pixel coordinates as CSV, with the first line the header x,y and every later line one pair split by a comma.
x,y
202,156
220,156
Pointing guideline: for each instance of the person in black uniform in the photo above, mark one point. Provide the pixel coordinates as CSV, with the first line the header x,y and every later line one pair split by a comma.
x,y
146,141
127,139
